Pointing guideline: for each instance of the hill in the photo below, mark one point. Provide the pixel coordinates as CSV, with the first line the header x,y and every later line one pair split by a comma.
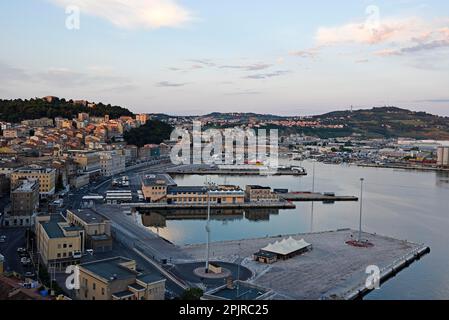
x,y
51,107
389,122
152,132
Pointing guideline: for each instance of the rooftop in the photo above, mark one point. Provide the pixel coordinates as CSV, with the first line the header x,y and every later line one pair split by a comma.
x,y
52,227
150,278
27,186
110,269
160,179
89,216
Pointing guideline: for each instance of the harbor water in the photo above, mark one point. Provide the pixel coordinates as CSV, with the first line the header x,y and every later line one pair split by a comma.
x,y
409,205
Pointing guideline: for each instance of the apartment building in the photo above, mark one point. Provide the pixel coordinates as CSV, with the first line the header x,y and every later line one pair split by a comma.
x,y
88,163
45,176
112,163
59,243
24,204
117,279
97,228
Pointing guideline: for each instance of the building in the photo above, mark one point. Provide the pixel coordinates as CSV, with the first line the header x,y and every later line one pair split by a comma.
x,y
282,250
118,196
256,193
35,123
4,185
154,187
59,243
24,204
443,156
46,177
142,118
238,290
149,151
88,163
112,163
117,279
97,228
200,195
25,198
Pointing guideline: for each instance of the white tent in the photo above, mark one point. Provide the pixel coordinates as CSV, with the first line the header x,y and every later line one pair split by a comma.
x,y
287,246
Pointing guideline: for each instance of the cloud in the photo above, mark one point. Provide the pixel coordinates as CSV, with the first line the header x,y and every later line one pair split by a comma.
x,y
261,76
241,93
133,14
307,53
433,101
252,67
9,73
386,30
167,84
64,77
392,36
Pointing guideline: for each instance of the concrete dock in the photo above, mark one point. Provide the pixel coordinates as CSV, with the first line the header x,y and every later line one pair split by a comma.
x,y
141,207
314,196
207,170
331,270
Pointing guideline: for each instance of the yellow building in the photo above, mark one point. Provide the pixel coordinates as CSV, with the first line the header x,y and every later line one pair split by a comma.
x,y
97,228
46,177
59,243
117,279
154,187
200,195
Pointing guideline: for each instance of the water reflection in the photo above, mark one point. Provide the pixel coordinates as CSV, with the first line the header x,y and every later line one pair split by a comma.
x,y
442,178
158,218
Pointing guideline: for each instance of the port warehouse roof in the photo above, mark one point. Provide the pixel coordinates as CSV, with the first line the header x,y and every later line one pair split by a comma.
x,y
201,190
286,246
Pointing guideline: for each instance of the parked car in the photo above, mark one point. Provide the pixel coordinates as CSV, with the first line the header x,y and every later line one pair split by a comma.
x,y
21,250
29,274
25,260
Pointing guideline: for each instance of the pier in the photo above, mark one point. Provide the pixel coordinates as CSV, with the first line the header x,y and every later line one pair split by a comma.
x,y
332,270
246,205
314,196
215,170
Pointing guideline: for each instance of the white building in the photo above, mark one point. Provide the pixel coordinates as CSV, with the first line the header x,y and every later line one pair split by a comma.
x,y
112,163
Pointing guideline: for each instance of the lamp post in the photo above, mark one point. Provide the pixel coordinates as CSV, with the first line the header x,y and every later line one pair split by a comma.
x,y
361,208
313,190
208,230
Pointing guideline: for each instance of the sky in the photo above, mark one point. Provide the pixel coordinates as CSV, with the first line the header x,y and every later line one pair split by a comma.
x,y
286,57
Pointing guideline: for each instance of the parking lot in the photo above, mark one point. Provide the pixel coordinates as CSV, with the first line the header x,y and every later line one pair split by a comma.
x,y
14,238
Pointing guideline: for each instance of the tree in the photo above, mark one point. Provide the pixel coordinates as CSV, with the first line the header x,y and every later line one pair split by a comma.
x,y
152,132
192,294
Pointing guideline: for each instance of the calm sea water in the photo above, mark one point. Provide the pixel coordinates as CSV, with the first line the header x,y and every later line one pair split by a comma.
x,y
408,205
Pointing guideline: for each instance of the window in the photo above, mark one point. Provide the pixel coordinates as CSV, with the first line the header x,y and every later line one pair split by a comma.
x,y
94,286
102,291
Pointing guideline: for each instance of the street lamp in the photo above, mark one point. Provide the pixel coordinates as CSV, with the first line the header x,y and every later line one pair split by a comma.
x,y
208,229
361,208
